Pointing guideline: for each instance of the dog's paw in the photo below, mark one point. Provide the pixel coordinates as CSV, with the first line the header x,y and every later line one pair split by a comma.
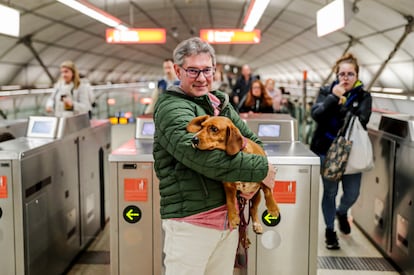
x,y
257,228
274,212
234,221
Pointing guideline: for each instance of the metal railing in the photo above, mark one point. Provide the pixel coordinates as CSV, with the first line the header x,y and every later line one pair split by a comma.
x,y
111,100
129,101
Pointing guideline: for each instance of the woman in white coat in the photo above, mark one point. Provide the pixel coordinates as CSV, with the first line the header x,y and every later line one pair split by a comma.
x,y
71,95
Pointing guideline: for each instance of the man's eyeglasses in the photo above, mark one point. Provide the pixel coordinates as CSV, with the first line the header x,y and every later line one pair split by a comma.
x,y
194,73
348,75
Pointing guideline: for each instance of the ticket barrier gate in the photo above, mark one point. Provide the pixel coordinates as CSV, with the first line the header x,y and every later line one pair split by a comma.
x,y
101,134
91,141
136,224
292,238
384,211
372,212
135,231
40,207
94,146
136,234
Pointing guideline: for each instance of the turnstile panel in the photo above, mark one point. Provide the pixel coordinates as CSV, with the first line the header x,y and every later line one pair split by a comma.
x,y
41,187
7,263
50,194
135,192
38,237
89,173
402,236
138,246
158,238
373,210
280,248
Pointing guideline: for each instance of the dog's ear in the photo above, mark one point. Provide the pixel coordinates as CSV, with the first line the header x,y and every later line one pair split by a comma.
x,y
195,124
234,140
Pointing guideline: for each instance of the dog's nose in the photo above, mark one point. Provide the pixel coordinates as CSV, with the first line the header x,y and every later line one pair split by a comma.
x,y
195,140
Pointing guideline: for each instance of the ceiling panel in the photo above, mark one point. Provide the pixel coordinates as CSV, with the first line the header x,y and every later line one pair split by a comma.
x,y
289,42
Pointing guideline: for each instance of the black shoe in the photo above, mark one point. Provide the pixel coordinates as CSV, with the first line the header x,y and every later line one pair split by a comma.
x,y
331,240
343,223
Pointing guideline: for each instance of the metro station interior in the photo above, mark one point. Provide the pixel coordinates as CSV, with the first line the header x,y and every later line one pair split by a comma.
x,y
79,195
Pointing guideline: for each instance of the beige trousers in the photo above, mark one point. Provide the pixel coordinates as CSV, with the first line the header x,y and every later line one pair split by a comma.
x,y
196,250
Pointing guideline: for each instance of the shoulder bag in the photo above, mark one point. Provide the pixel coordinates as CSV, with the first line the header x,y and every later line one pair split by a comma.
x,y
361,156
336,158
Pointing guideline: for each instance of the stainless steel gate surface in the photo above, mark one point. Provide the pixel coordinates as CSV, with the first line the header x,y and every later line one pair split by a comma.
x,y
293,239
136,243
384,210
135,232
41,191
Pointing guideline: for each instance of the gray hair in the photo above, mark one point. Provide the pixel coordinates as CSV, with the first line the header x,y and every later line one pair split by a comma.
x,y
192,46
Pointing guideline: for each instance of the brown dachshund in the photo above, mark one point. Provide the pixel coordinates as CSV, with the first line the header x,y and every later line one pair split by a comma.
x,y
220,133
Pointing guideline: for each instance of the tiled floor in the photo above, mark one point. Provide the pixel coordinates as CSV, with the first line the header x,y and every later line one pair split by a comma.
x,y
95,261
356,256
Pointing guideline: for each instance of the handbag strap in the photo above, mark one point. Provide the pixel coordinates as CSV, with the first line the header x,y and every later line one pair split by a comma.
x,y
351,126
348,122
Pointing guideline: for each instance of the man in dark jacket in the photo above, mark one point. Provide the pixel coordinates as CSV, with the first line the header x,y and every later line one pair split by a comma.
x,y
242,86
197,237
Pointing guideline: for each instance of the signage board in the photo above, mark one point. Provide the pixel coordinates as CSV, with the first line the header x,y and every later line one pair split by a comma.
x,y
230,36
136,36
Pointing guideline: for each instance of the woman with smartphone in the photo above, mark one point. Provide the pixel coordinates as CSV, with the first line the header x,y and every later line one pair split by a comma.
x,y
71,96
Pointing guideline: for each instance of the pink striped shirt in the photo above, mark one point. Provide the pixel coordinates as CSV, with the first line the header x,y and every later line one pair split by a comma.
x,y
215,218
215,102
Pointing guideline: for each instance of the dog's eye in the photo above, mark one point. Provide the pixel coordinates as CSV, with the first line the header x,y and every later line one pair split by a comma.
x,y
214,129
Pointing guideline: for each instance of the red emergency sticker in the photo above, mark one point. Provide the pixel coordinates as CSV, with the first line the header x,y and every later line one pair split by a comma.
x,y
3,187
285,191
135,189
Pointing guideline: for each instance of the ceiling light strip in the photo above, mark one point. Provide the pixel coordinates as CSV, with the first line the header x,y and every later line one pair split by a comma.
x,y
254,13
94,12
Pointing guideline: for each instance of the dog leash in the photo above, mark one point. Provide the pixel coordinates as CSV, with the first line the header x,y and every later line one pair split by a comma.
x,y
244,242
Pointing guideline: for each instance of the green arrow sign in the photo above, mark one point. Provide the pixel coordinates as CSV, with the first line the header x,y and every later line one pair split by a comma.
x,y
132,214
270,220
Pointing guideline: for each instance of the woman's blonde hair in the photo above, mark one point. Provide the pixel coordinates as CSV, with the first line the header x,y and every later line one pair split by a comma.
x,y
71,66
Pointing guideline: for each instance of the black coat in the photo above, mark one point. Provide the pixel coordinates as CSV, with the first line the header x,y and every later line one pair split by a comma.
x,y
257,108
242,86
330,116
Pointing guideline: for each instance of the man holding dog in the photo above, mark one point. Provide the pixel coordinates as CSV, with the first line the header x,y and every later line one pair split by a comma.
x,y
198,239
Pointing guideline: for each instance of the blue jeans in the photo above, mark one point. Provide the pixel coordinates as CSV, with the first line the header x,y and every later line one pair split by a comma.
x,y
350,186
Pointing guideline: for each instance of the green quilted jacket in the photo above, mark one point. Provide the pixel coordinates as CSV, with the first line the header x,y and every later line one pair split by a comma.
x,y
190,179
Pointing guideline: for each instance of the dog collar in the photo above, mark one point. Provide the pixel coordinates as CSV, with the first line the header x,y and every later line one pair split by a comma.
x,y
244,144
